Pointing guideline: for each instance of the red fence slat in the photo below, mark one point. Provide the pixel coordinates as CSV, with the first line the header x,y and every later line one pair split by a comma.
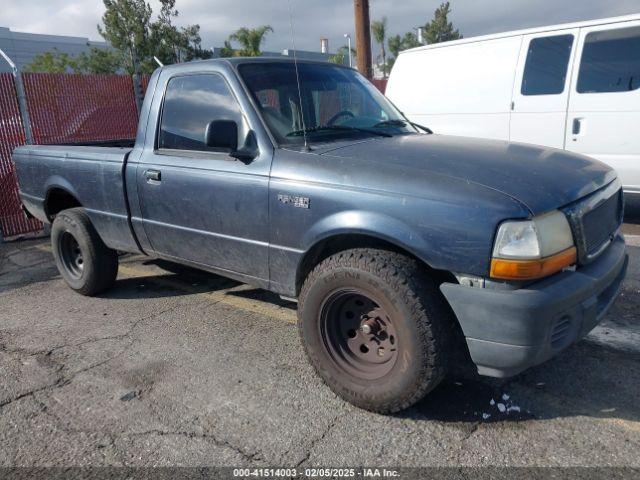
x,y
144,82
12,220
67,108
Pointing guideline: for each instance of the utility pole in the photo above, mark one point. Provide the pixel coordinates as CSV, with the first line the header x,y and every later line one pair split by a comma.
x,y
363,37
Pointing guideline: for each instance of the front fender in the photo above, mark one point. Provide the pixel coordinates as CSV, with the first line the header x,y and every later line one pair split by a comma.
x,y
371,224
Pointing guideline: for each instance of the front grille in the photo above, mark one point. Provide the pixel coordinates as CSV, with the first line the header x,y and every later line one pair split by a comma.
x,y
602,222
595,220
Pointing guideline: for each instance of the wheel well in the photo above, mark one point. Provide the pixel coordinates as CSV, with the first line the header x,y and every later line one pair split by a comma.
x,y
339,243
461,360
59,200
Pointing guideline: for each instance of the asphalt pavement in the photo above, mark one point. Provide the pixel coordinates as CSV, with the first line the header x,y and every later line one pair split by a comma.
x,y
174,367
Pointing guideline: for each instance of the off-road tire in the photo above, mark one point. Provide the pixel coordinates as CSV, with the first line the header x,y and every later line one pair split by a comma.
x,y
99,264
423,325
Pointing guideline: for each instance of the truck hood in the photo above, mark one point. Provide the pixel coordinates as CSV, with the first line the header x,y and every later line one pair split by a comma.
x,y
540,178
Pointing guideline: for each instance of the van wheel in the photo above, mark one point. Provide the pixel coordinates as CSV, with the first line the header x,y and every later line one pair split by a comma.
x,y
87,265
375,328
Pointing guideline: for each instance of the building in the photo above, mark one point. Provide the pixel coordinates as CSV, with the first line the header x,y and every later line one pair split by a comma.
x,y
22,47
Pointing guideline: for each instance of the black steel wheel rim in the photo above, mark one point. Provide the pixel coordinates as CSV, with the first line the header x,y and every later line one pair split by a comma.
x,y
358,334
71,255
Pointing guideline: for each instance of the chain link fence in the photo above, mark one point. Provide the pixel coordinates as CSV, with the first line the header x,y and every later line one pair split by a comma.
x,y
59,109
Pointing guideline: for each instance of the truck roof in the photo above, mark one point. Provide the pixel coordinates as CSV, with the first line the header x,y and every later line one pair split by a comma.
x,y
527,31
242,60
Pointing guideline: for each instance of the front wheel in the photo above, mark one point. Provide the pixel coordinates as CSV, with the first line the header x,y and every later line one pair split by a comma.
x,y
375,328
87,265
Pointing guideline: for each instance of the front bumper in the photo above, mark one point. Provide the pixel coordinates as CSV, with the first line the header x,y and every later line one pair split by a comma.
x,y
508,331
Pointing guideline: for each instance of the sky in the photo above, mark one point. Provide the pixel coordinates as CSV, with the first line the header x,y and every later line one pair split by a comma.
x,y
313,19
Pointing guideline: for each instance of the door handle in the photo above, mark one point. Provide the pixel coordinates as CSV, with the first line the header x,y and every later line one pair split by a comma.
x,y
577,126
153,175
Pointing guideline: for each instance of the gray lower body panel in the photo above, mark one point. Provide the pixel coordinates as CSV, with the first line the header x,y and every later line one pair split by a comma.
x,y
508,331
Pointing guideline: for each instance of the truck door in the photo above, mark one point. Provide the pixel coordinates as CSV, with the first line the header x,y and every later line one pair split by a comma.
x,y
200,205
540,93
604,106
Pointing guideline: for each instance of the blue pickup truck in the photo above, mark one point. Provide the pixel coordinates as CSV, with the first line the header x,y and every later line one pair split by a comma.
x,y
403,248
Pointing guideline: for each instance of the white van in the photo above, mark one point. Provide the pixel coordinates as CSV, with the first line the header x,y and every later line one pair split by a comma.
x,y
573,86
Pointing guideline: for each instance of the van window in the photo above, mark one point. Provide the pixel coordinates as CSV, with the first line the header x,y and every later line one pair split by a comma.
x,y
545,71
610,61
190,103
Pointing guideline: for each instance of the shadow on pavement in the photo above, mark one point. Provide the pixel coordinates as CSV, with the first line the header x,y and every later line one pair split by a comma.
x,y
160,286
264,296
587,379
22,263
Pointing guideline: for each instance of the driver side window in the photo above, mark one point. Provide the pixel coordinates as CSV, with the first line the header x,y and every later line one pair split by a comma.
x,y
190,103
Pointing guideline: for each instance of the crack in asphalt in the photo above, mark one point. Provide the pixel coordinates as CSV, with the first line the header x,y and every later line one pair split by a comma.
x,y
114,436
473,429
63,380
320,438
249,456
44,409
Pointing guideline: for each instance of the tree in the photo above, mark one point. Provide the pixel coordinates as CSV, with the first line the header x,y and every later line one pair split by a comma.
x,y
51,62
440,29
194,50
379,30
165,36
97,60
341,57
173,44
399,43
250,40
127,27
135,39
227,50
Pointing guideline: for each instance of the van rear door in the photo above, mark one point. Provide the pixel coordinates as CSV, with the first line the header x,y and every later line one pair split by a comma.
x,y
541,89
604,105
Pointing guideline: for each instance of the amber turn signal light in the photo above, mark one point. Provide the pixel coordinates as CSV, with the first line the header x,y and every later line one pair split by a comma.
x,y
506,269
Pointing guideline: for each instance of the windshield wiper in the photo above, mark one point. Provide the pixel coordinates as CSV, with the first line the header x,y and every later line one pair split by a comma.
x,y
391,123
401,123
423,128
337,128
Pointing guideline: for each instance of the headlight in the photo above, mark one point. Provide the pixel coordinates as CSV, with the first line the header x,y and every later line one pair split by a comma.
x,y
529,249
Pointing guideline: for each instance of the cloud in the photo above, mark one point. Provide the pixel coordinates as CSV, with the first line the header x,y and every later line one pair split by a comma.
x,y
57,17
313,19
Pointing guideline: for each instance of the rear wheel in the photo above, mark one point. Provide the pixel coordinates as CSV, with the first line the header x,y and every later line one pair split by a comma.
x,y
375,327
84,261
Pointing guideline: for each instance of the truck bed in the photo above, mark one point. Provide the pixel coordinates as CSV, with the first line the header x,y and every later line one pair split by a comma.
x,y
91,174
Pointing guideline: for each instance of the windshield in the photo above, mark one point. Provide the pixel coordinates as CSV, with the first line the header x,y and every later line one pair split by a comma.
x,y
337,103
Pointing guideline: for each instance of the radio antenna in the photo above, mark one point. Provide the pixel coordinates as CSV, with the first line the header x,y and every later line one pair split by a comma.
x,y
295,62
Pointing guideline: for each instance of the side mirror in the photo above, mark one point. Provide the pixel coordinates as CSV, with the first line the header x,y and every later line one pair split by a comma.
x,y
222,134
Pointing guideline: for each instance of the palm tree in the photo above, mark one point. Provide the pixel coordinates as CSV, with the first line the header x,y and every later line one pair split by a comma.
x,y
251,39
379,30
